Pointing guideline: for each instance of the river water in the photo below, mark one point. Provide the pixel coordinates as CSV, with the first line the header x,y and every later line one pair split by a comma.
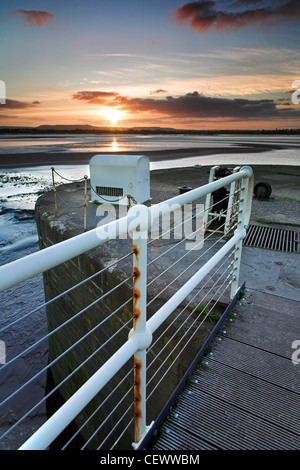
x,y
19,190
131,143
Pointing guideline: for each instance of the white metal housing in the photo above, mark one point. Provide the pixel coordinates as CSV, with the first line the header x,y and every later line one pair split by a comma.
x,y
114,177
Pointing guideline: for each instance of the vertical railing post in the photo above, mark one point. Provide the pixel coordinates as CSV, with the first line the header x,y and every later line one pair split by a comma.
x,y
208,199
54,190
241,225
84,204
231,208
139,243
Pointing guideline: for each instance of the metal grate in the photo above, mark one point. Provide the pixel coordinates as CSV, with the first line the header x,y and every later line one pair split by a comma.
x,y
272,238
108,191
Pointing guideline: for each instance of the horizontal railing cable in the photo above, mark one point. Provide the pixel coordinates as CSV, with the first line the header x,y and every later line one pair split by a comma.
x,y
122,434
184,239
187,305
115,426
67,291
108,397
70,375
64,353
178,355
154,261
187,318
177,277
188,341
190,315
107,418
188,239
193,217
65,323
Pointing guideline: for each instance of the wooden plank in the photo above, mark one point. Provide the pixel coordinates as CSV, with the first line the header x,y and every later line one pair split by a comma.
x,y
265,329
175,438
226,426
272,368
267,401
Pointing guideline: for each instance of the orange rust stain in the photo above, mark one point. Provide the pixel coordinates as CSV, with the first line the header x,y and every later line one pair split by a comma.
x,y
136,316
135,250
136,273
137,397
136,295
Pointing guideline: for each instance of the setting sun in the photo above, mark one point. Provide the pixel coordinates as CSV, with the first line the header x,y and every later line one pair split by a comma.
x,y
113,115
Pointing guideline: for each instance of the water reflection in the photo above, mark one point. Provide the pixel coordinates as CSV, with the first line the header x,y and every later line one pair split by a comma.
x,y
114,146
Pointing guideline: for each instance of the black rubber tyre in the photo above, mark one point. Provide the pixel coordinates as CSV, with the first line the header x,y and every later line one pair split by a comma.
x,y
262,190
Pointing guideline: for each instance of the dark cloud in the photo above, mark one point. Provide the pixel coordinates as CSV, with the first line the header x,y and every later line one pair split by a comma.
x,y
32,17
14,104
239,3
95,97
156,92
6,116
193,105
203,15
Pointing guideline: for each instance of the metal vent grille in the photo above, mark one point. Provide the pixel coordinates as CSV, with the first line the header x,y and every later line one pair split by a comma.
x,y
271,238
108,191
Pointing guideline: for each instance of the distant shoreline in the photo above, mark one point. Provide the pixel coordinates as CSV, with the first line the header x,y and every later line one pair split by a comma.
x,y
21,160
75,129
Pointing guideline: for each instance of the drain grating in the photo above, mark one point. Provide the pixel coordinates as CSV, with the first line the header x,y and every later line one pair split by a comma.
x,y
272,238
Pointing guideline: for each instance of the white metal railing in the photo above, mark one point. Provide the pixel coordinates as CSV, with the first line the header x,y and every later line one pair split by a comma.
x,y
141,339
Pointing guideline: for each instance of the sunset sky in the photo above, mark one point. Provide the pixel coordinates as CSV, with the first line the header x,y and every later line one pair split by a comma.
x,y
226,64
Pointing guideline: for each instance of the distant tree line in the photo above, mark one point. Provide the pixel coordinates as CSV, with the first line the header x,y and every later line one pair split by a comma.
x,y
139,131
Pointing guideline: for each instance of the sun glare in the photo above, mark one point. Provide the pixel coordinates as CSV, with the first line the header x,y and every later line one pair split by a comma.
x,y
113,115
114,147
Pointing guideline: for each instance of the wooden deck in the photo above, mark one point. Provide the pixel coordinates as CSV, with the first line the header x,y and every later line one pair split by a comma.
x,y
245,394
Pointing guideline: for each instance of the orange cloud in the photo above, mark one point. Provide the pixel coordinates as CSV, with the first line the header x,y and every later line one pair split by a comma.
x,y
32,17
202,15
